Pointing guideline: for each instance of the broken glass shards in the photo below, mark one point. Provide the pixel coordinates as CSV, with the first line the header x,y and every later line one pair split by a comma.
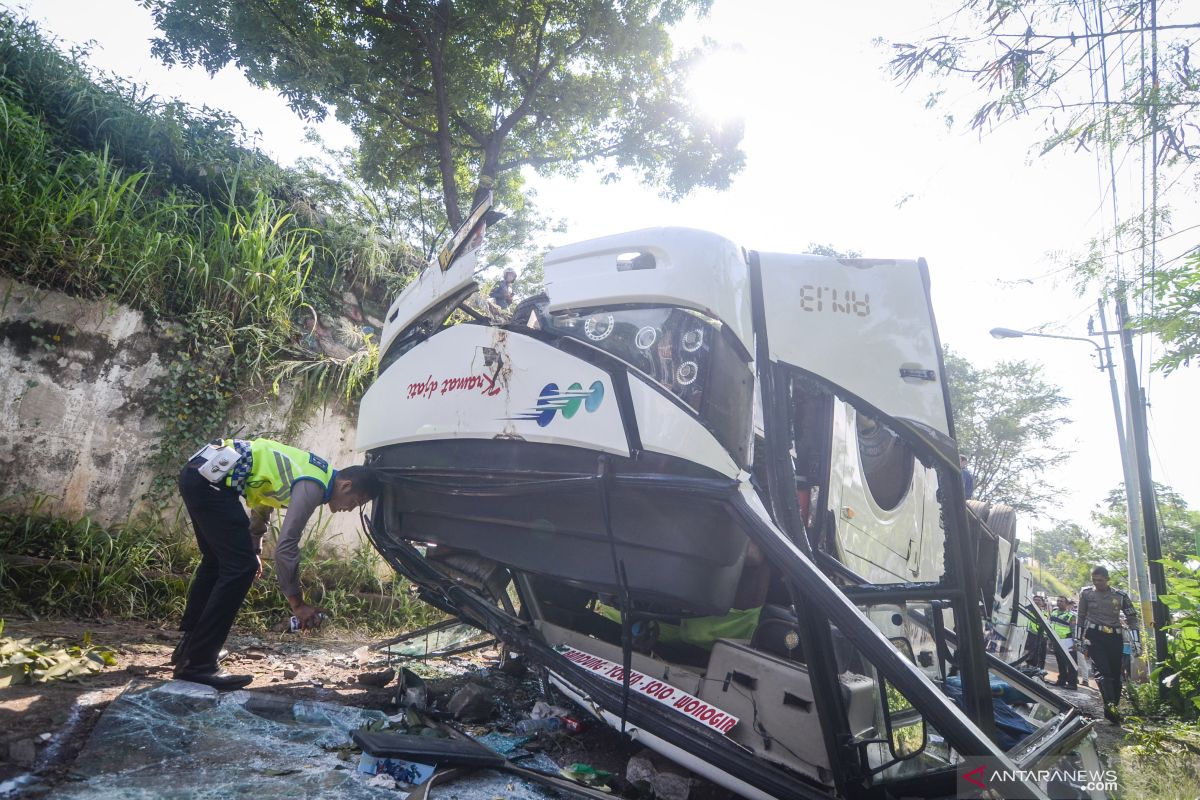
x,y
184,740
445,638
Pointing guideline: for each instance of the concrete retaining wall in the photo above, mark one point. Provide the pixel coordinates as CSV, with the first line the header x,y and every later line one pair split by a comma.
x,y
77,394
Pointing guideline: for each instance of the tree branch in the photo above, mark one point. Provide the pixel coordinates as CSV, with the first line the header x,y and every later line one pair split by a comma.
x,y
542,161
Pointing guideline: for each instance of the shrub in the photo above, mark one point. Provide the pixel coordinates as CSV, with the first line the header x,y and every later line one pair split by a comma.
x,y
1180,670
57,567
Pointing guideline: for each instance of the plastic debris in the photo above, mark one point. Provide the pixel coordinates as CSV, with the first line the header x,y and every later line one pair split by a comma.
x,y
544,725
543,710
472,703
383,781
587,775
411,691
447,752
409,772
665,779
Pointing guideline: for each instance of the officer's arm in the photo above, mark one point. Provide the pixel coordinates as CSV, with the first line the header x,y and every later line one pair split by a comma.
x,y
1081,618
260,516
1131,614
306,497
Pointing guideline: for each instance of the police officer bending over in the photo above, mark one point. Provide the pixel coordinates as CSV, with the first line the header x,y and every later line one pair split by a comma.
x,y
268,475
1100,609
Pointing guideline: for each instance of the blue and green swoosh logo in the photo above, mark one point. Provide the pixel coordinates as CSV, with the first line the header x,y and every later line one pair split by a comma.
x,y
553,400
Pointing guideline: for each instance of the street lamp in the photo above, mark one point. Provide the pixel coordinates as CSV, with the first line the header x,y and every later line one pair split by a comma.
x,y
1139,574
1101,352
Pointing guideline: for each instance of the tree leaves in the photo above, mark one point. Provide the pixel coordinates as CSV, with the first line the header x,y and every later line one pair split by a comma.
x,y
27,661
458,93
1178,526
1174,313
1005,419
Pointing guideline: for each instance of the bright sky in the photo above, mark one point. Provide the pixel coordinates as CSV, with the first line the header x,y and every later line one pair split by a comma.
x,y
836,154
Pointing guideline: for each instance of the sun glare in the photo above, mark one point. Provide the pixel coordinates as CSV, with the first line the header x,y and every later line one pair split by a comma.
x,y
720,85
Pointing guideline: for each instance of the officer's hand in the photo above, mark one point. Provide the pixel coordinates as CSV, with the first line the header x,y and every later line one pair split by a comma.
x,y
258,574
309,616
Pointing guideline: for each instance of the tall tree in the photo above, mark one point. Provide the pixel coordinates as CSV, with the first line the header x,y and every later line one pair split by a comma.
x,y
1096,73
463,94
1178,526
1174,314
1068,552
1113,78
407,218
1005,419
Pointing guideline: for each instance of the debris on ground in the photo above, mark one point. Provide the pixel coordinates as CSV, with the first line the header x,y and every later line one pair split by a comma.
x,y
44,725
411,692
377,679
587,775
183,734
472,703
663,779
30,661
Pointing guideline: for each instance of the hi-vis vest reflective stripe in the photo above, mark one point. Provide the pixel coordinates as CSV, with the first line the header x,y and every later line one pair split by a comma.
x,y
277,467
1060,621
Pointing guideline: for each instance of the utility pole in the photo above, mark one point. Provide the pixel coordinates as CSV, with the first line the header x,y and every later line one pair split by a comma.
x,y
1141,453
1138,574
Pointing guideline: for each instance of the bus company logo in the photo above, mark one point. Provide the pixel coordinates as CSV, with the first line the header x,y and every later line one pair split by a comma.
x,y
567,401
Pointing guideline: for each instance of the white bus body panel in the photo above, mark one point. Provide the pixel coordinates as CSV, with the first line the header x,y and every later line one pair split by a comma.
x,y
692,269
666,428
444,389
858,323
429,289
905,543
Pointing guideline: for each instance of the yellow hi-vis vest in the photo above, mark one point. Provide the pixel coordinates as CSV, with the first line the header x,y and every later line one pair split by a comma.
x,y
275,469
1061,622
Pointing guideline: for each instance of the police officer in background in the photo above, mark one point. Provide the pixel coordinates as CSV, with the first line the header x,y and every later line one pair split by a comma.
x,y
1062,620
268,475
1099,633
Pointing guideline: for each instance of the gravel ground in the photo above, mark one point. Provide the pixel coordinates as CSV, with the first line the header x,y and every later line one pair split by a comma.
x,y
43,727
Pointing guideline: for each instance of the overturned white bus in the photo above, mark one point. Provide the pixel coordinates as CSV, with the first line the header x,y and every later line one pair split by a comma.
x,y
714,495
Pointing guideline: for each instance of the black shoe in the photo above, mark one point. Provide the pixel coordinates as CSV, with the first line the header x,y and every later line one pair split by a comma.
x,y
221,681
177,655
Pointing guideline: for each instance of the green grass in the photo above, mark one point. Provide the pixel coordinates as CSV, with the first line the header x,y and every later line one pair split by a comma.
x,y
106,191
1160,760
89,111
81,223
142,570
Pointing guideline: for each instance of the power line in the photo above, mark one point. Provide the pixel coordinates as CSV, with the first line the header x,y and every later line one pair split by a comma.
x,y
1073,37
1154,157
